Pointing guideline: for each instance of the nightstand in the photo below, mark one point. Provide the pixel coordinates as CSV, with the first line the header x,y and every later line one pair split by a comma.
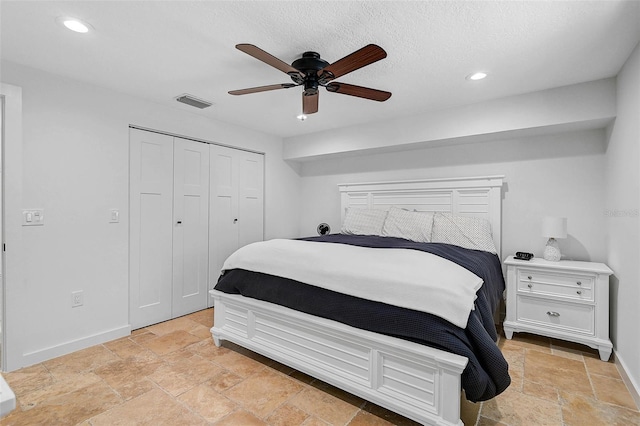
x,y
567,300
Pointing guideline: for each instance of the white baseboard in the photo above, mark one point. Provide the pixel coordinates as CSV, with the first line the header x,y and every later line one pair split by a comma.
x,y
632,385
45,354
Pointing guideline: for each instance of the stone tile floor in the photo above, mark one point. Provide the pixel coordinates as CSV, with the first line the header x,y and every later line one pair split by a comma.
x,y
172,374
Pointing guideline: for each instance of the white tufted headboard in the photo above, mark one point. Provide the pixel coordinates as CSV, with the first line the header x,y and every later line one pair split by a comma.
x,y
475,196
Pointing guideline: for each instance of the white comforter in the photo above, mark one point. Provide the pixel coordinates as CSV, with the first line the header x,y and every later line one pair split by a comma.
x,y
401,277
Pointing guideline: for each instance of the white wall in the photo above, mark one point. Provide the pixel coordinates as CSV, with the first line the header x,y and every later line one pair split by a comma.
x,y
559,175
75,167
622,221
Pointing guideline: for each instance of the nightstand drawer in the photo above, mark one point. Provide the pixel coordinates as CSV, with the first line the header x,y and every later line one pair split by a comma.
x,y
575,318
579,287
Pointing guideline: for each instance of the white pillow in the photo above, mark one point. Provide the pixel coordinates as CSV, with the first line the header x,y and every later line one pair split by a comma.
x,y
363,221
414,226
468,232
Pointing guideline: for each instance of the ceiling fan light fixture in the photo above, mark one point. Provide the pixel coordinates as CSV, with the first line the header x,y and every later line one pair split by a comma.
x,y
74,24
477,76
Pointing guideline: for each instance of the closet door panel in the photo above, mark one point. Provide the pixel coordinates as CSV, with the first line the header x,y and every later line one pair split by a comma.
x,y
237,204
224,207
151,212
250,198
152,250
190,227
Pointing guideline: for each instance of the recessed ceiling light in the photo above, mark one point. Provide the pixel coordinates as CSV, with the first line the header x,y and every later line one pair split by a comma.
x,y
74,24
476,76
301,117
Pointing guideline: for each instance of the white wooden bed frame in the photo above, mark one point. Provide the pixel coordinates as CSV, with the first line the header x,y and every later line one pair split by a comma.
x,y
416,381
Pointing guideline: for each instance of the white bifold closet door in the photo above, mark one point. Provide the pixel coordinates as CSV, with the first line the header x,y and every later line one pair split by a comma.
x,y
191,226
169,221
237,203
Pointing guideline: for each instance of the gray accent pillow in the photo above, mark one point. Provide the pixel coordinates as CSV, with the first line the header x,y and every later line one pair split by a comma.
x,y
414,226
363,221
468,232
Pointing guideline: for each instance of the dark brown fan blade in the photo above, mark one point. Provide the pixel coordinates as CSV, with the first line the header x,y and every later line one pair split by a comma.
x,y
359,91
262,89
310,103
268,58
358,59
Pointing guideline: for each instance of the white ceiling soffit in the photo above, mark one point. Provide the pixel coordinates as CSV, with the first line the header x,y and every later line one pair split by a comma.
x,y
158,50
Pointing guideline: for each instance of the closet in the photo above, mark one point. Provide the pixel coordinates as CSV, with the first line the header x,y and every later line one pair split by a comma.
x,y
175,229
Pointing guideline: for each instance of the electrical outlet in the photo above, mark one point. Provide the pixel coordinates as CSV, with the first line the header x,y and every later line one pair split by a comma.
x,y
77,298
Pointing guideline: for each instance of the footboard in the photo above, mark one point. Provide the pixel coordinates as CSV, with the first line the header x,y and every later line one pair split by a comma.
x,y
416,381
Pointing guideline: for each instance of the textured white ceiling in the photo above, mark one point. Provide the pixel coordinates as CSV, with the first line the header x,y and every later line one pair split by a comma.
x,y
160,49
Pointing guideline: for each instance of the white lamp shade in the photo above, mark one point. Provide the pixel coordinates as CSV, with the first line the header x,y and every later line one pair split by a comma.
x,y
554,227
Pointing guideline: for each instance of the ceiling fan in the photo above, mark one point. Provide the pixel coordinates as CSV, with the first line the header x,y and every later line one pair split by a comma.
x,y
312,72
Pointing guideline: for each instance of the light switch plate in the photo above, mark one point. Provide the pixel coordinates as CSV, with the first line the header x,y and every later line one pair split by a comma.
x,y
114,216
32,217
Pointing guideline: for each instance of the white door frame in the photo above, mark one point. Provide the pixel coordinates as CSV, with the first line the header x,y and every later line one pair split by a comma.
x,y
13,345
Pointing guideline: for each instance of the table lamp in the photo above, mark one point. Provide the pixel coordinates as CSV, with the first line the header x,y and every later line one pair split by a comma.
x,y
552,228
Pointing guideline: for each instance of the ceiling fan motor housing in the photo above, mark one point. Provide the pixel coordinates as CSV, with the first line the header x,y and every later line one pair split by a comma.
x,y
309,64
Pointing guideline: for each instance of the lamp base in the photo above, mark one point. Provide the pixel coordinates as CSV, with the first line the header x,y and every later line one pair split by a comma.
x,y
552,251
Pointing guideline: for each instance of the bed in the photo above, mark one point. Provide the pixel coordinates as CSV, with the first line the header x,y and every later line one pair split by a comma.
x,y
387,351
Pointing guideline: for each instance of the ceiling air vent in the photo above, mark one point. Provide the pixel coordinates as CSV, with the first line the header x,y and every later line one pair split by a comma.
x,y
193,101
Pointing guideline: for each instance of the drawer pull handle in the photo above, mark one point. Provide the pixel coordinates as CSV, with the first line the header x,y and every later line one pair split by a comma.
x,y
529,277
553,314
579,292
579,283
529,285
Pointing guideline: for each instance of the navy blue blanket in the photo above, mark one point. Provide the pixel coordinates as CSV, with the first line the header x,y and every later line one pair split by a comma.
x,y
486,374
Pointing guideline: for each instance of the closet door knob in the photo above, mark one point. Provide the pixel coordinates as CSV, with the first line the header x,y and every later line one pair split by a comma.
x,y
179,222
235,220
